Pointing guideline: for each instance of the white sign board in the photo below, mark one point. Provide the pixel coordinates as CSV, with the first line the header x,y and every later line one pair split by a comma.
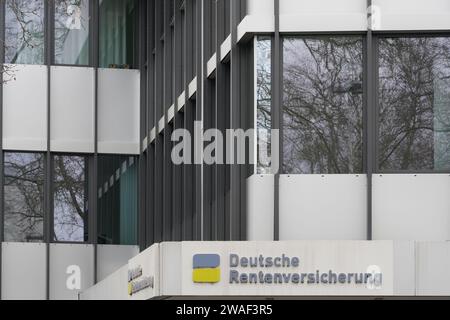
x,y
298,268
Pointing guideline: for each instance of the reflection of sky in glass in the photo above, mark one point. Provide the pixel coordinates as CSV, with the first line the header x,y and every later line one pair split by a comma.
x,y
322,105
24,33
414,102
72,32
70,194
264,102
24,198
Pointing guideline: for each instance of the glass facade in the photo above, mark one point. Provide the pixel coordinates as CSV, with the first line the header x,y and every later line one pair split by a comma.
x,y
117,200
414,104
70,194
72,32
264,103
24,197
24,32
323,105
118,34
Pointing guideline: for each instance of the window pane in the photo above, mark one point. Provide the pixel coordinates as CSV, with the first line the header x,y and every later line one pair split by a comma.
x,y
70,198
24,33
117,200
72,32
323,105
24,197
264,103
118,33
414,104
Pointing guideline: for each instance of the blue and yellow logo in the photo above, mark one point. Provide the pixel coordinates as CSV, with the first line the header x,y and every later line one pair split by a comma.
x,y
206,268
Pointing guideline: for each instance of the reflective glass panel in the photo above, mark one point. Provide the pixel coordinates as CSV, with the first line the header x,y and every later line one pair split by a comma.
x,y
117,200
72,32
24,197
414,104
323,105
264,103
118,34
24,32
70,193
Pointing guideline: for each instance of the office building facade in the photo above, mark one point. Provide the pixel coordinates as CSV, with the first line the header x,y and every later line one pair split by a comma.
x,y
347,109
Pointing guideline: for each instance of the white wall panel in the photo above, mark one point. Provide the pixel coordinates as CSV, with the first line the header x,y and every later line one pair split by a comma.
x,y
115,287
63,256
433,266
118,127
411,207
405,268
412,14
260,208
260,7
260,18
25,108
72,109
323,15
111,258
329,207
24,271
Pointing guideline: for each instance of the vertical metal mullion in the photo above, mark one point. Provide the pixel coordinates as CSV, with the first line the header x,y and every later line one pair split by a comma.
x,y
48,48
143,126
237,195
95,31
167,171
158,201
219,123
276,115
178,170
369,121
187,228
206,179
199,116
2,184
150,105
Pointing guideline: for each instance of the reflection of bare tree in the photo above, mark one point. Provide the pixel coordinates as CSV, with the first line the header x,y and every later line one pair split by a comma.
x,y
24,32
414,99
70,194
323,103
24,37
24,195
264,102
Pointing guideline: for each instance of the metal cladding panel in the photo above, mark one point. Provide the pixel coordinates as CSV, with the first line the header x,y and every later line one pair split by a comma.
x,y
110,258
25,108
114,287
118,111
323,207
260,7
404,268
411,207
411,14
71,270
323,15
72,109
260,208
24,271
433,265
